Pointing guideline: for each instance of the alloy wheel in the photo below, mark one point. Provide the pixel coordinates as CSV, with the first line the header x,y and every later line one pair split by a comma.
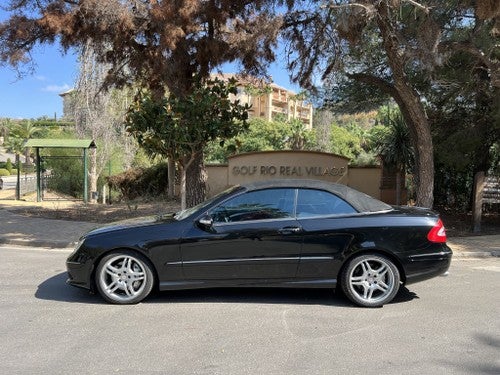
x,y
124,278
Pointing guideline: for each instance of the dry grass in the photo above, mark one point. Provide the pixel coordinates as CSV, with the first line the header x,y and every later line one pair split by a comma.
x,y
59,207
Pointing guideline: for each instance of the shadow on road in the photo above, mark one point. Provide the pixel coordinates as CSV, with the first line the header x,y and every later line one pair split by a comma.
x,y
56,289
324,297
404,295
252,296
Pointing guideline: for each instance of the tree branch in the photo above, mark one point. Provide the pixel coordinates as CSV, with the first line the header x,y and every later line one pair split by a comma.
x,y
418,5
367,8
378,82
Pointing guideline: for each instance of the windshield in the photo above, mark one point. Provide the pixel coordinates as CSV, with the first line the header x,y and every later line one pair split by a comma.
x,y
181,215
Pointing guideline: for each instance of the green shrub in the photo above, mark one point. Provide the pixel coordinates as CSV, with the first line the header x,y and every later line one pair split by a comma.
x,y
13,172
4,172
8,165
31,168
66,173
140,182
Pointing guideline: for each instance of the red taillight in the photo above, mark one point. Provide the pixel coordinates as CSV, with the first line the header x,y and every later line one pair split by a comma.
x,y
437,233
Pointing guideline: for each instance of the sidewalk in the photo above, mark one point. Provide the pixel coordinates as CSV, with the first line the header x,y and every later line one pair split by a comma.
x,y
30,231
475,246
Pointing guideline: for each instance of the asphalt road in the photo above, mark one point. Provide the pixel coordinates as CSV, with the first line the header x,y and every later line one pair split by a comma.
x,y
448,325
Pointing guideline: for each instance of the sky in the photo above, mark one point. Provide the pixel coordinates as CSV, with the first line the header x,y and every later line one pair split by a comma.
x,y
37,95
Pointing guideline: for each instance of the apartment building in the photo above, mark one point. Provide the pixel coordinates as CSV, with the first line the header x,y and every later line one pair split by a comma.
x,y
267,100
68,98
270,100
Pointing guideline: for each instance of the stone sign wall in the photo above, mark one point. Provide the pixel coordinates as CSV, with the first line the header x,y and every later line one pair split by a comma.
x,y
257,166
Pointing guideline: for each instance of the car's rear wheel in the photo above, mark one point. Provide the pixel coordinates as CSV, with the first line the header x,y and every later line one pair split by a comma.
x,y
370,280
124,277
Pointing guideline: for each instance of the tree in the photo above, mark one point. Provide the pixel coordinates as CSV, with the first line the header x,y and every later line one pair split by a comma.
x,y
16,145
344,143
384,45
98,113
349,28
161,45
300,137
181,127
463,108
392,142
5,126
25,130
263,135
322,122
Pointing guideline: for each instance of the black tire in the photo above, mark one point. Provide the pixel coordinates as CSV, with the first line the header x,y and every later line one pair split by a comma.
x,y
124,277
370,280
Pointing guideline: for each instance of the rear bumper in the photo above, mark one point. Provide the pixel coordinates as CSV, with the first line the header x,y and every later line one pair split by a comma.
x,y
427,265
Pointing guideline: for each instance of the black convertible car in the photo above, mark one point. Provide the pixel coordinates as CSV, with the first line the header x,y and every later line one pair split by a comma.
x,y
281,233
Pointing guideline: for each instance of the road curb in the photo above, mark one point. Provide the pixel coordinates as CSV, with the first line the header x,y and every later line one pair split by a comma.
x,y
37,243
476,254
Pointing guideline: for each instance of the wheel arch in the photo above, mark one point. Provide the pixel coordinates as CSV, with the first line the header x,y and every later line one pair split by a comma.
x,y
397,262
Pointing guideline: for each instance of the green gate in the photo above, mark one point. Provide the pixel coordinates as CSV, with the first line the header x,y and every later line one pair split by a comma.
x,y
40,144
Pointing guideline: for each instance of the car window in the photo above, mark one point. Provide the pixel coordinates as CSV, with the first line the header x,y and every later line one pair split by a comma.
x,y
312,203
256,205
188,212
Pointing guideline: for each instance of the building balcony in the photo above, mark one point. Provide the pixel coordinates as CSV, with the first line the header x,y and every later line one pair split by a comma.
x,y
280,96
276,109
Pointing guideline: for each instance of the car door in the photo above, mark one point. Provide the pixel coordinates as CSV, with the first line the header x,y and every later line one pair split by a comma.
x,y
253,236
325,220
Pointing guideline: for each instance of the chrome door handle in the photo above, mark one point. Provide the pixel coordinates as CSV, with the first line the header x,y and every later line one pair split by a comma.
x,y
290,230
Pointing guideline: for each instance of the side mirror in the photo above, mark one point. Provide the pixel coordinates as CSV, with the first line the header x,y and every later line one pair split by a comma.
x,y
206,222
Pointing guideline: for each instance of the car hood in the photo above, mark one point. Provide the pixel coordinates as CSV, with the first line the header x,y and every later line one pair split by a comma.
x,y
132,223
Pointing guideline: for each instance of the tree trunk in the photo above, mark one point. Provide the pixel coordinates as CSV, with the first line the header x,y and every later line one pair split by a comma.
x,y
416,118
93,175
414,115
398,186
477,205
196,181
27,158
413,112
183,187
171,178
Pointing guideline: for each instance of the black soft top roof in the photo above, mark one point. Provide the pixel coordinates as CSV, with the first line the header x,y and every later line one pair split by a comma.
x,y
360,201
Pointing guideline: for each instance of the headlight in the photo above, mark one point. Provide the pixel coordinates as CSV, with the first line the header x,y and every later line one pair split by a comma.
x,y
77,247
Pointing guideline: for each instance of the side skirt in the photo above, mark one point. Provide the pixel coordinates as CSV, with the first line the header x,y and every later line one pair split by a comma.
x,y
202,284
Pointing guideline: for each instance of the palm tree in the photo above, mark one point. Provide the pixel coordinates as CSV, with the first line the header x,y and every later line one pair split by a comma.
x,y
16,146
5,126
392,143
25,130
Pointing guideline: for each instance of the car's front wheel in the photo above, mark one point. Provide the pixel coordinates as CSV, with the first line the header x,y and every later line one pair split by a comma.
x,y
124,277
370,280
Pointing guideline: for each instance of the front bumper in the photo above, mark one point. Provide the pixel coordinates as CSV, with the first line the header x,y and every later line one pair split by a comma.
x,y
78,275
